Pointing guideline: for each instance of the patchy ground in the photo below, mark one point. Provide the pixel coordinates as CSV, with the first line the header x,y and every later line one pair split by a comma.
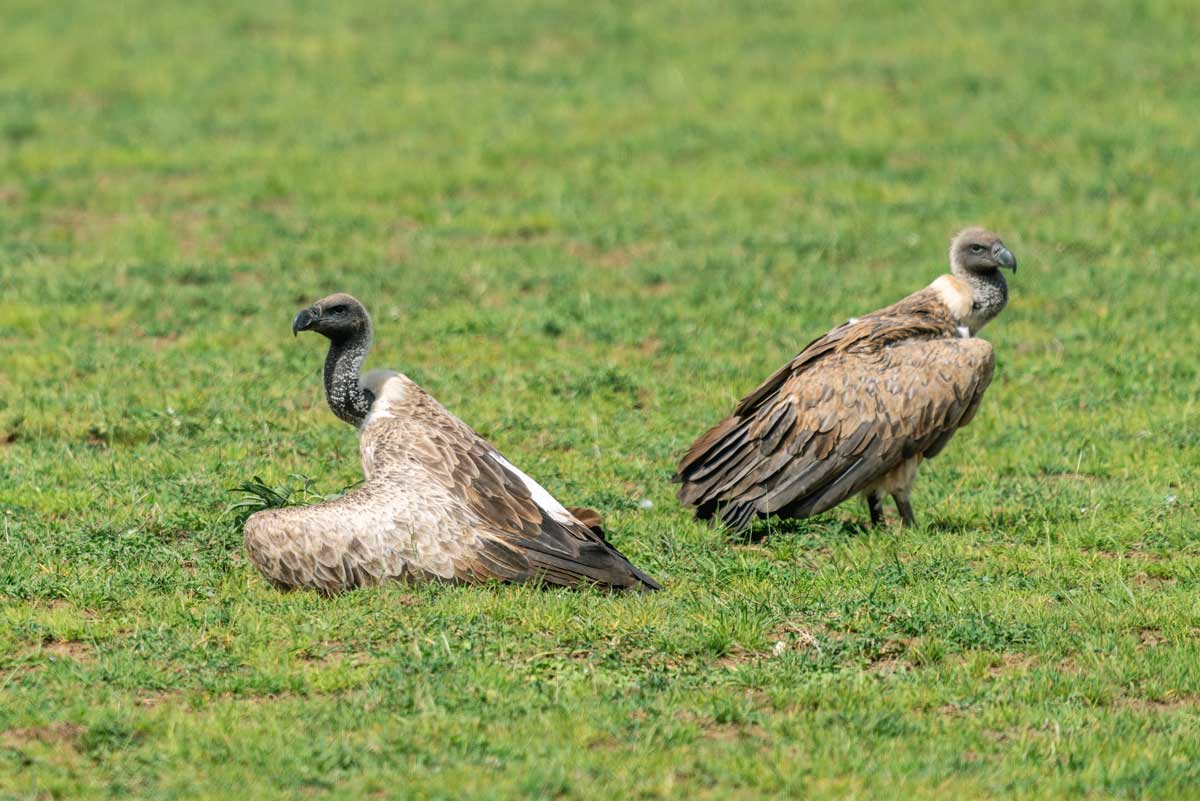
x,y
588,229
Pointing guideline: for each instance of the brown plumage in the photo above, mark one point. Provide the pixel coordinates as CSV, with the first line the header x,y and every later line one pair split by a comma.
x,y
860,407
589,517
438,501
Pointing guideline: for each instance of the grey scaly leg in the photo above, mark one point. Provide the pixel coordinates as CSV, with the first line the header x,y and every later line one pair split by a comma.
x,y
905,509
875,507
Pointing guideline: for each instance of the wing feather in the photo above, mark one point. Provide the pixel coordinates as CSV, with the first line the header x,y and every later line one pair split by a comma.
x,y
439,502
503,508
878,391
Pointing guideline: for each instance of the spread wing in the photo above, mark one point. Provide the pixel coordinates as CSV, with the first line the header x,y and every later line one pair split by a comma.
x,y
370,535
834,420
438,502
517,530
522,532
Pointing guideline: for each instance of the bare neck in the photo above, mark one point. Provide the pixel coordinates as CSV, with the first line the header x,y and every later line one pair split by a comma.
x,y
989,295
343,391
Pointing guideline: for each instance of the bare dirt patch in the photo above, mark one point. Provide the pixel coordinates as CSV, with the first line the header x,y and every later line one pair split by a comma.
x,y
893,657
334,654
161,343
1012,662
1169,703
84,225
1144,579
1073,476
1049,728
732,732
12,672
787,636
951,710
58,604
621,256
246,278
80,652
56,734
1130,555
1151,638
889,666
155,699
738,655
650,345
724,731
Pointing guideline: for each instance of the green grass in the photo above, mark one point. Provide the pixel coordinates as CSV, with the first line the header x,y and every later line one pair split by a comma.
x,y
588,229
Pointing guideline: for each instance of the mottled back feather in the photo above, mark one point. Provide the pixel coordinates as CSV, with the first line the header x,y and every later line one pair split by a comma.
x,y
849,408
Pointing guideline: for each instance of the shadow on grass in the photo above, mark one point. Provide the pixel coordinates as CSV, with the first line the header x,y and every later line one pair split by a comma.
x,y
818,532
949,525
1015,525
826,531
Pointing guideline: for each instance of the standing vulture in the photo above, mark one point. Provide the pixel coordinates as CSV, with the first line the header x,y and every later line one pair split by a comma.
x,y
858,409
438,502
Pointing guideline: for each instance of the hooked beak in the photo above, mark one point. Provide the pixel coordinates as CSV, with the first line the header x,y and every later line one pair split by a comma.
x,y
1005,257
304,320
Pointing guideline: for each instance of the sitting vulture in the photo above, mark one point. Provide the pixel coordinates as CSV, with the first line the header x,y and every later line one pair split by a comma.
x,y
858,409
438,502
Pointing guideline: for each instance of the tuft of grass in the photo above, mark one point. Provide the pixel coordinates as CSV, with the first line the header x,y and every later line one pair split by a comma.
x,y
256,495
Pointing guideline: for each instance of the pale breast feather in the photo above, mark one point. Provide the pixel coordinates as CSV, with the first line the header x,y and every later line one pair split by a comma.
x,y
389,388
955,294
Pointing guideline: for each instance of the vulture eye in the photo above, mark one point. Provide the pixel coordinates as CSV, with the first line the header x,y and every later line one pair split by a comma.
x,y
977,248
338,310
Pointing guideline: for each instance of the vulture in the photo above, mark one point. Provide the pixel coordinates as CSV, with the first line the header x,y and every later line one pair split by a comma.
x,y
857,410
438,502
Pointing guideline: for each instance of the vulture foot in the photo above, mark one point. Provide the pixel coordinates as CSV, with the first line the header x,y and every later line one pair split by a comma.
x,y
907,520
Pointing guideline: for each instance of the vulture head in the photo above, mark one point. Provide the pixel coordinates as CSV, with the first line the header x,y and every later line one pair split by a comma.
x,y
338,317
978,250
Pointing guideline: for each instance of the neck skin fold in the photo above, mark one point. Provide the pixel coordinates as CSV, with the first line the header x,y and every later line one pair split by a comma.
x,y
989,293
343,364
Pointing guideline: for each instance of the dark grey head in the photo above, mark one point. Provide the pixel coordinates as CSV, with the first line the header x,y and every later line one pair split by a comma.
x,y
978,250
345,323
339,318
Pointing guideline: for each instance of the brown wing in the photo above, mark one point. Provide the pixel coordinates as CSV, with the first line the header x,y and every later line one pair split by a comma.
x,y
521,532
834,424
921,315
589,517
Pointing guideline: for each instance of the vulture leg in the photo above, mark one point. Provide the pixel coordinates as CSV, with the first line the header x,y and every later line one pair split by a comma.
x,y
875,507
907,520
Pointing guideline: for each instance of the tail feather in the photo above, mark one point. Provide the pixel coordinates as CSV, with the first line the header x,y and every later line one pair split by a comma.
x,y
593,520
736,516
